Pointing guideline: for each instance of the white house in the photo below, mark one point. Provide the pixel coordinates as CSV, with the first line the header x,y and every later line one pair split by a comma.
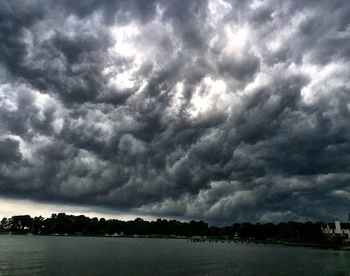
x,y
337,229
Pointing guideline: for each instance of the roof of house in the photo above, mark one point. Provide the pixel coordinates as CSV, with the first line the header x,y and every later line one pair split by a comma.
x,y
343,225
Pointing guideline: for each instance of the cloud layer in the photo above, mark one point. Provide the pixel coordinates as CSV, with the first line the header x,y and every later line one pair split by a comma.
x,y
217,110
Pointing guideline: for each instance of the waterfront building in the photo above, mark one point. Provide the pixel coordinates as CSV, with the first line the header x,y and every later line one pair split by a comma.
x,y
337,229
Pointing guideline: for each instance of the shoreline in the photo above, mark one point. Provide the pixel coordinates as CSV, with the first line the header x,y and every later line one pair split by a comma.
x,y
323,246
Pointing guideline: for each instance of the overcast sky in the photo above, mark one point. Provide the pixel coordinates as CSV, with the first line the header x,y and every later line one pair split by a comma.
x,y
218,110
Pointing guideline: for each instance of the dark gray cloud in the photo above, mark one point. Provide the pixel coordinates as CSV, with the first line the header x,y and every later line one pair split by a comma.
x,y
217,110
9,151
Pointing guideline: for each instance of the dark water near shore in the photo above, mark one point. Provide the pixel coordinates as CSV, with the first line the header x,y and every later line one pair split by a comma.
x,y
40,255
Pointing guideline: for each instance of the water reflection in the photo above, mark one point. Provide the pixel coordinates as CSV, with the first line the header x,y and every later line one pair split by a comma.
x,y
39,255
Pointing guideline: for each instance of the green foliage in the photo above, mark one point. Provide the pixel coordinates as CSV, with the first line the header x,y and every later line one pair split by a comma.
x,y
63,224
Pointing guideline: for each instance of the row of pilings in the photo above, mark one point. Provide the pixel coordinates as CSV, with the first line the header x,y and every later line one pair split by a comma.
x,y
235,240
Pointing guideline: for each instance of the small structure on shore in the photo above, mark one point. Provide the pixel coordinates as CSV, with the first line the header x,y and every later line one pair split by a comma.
x,y
197,239
337,229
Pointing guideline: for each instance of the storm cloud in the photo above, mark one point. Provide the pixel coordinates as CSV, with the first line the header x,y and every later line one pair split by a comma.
x,y
217,110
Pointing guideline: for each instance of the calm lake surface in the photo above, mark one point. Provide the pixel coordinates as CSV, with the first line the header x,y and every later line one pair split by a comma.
x,y
48,255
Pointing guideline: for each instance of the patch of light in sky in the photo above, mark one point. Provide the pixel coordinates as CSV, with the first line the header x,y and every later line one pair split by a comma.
x,y
14,207
237,37
207,96
218,9
321,78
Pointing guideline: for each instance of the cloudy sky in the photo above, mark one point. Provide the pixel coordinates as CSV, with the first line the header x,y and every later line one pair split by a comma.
x,y
217,110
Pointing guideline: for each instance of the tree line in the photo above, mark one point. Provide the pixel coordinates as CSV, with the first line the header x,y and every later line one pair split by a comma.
x,y
63,224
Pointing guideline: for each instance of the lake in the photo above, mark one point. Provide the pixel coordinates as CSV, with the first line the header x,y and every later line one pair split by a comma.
x,y
58,255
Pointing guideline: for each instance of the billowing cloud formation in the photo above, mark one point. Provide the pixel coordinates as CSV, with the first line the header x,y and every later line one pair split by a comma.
x,y
217,110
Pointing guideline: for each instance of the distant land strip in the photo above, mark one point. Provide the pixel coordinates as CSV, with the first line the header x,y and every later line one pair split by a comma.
x,y
287,233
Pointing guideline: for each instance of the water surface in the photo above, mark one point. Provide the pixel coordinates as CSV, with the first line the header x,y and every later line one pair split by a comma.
x,y
50,255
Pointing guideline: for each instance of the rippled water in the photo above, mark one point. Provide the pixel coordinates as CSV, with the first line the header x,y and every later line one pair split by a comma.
x,y
40,255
